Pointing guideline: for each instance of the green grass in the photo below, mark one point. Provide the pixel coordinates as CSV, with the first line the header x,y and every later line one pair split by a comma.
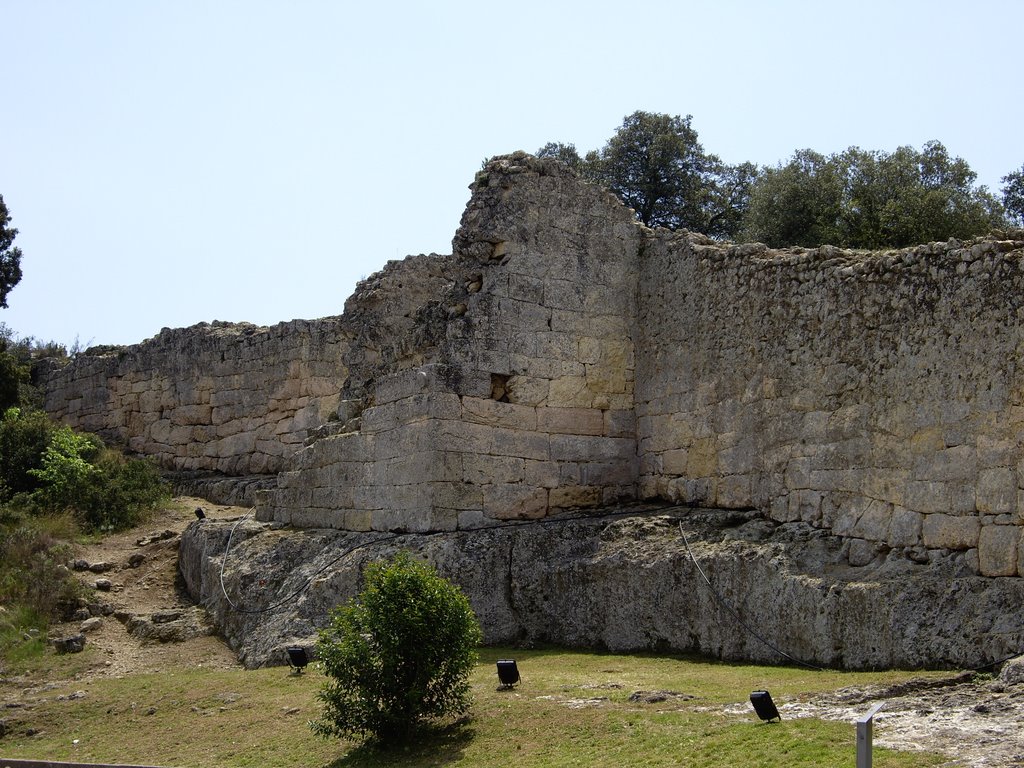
x,y
208,717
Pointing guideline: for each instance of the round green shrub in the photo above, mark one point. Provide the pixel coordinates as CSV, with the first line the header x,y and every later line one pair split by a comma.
x,y
397,655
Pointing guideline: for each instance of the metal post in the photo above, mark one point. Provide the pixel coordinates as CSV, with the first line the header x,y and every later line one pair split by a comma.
x,y
865,736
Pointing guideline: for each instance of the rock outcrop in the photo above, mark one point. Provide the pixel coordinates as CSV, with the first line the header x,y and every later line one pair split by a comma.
x,y
775,592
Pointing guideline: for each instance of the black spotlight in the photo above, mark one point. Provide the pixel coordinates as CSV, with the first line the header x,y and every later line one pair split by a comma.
x,y
298,659
508,673
764,706
200,515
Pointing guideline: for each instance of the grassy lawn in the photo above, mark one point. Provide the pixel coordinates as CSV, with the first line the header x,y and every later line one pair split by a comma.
x,y
572,708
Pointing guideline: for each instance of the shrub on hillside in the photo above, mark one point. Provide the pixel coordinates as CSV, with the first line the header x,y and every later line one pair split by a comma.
x,y
48,468
398,654
102,488
35,584
24,436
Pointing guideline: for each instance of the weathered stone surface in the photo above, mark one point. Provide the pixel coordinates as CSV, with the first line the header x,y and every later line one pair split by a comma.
x,y
169,625
949,532
862,392
997,550
626,582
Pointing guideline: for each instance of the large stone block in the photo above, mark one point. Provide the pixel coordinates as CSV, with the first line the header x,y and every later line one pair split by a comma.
x,y
515,502
997,550
481,469
569,497
940,531
498,414
570,391
905,528
571,421
734,492
997,491
928,496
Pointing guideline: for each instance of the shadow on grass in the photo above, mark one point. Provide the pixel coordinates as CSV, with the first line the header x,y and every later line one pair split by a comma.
x,y
432,746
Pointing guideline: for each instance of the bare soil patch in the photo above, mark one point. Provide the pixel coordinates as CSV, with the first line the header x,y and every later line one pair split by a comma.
x,y
133,589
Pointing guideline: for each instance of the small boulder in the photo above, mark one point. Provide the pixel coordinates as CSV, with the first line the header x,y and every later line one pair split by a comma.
x,y
136,560
104,585
100,609
101,567
92,624
167,615
1012,672
70,644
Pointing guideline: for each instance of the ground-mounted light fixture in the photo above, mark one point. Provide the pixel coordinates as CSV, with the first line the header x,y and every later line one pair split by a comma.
x,y
298,659
764,706
508,673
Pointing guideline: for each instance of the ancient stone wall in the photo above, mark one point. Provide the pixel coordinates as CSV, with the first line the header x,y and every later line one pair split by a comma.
x,y
875,395
235,399
566,357
523,402
238,399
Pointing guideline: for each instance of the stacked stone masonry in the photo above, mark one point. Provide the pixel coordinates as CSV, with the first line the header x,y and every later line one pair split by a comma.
x,y
566,357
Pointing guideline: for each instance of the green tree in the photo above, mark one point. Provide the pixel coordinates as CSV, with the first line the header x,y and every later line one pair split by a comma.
x,y
10,257
657,166
799,203
1013,195
869,199
397,655
14,377
565,153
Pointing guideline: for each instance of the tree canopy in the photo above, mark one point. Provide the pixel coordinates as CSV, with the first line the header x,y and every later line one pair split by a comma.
x,y
1013,195
869,199
10,257
858,198
657,166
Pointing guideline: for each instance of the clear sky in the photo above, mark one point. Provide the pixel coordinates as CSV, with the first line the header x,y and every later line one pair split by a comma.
x,y
173,162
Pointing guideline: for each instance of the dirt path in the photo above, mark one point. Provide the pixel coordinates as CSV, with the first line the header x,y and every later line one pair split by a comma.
x,y
144,604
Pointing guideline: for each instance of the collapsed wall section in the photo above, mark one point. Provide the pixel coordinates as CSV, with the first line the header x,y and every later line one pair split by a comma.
x,y
523,405
878,396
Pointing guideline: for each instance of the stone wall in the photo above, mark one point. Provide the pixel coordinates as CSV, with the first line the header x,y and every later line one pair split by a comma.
x,y
566,357
238,399
875,395
522,401
235,399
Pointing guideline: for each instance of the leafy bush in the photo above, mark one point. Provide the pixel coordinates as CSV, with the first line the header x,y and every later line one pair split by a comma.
x,y
401,652
49,468
124,491
66,477
105,490
24,436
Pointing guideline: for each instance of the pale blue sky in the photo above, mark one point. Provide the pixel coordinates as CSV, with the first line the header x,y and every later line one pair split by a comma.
x,y
169,163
